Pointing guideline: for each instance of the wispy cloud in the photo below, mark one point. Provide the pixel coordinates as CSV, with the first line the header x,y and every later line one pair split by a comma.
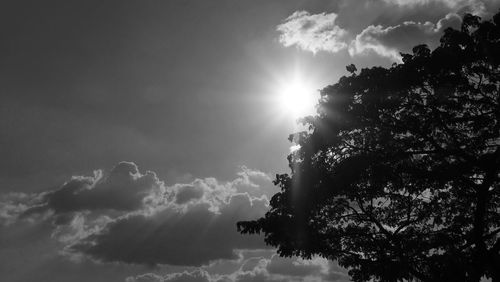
x,y
262,269
478,7
389,41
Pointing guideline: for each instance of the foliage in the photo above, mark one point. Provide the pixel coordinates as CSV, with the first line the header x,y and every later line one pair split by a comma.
x,y
398,176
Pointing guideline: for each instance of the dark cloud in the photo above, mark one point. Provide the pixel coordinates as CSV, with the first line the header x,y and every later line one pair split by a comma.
x,y
132,217
193,237
273,269
190,227
187,193
124,189
186,276
287,266
316,268
14,204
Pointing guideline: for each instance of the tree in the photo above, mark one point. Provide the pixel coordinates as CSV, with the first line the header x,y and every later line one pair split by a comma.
x,y
398,175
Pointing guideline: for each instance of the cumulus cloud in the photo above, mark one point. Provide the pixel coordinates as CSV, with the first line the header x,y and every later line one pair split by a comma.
x,y
319,33
389,41
216,193
312,32
382,27
125,189
208,191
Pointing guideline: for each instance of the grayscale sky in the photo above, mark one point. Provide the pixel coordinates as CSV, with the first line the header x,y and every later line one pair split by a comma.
x,y
134,134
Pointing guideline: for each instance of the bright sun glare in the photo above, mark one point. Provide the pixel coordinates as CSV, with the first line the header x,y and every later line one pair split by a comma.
x,y
297,98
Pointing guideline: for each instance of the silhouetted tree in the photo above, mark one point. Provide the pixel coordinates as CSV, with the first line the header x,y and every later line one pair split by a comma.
x,y
397,177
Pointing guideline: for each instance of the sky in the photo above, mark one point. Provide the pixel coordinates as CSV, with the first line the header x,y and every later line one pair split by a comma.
x,y
135,134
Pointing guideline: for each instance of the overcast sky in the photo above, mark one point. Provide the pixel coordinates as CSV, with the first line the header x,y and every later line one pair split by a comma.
x,y
135,134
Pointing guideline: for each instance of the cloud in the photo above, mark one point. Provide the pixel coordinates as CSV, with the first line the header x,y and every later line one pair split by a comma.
x,y
478,7
187,193
214,193
381,27
261,269
185,276
389,41
193,237
124,189
255,183
208,191
187,228
320,33
14,204
286,266
312,32
299,269
132,217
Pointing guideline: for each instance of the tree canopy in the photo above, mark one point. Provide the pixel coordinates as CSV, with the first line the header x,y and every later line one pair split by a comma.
x,y
398,175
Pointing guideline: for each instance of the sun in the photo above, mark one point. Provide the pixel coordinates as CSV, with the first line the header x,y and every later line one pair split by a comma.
x,y
297,98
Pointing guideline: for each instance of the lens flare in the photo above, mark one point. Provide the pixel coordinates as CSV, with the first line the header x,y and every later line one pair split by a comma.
x,y
298,98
